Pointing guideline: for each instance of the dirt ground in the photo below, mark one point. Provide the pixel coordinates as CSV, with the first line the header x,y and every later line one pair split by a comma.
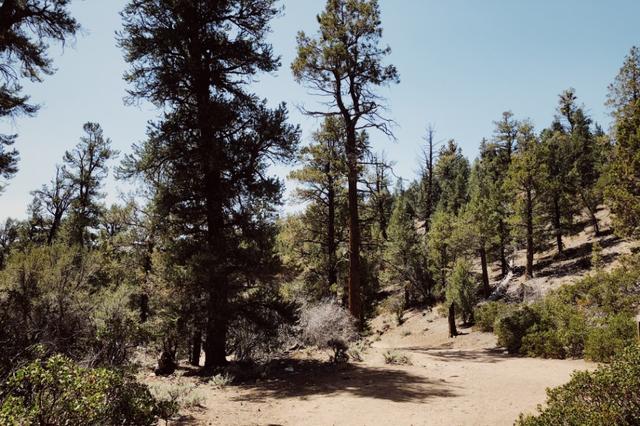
x,y
462,381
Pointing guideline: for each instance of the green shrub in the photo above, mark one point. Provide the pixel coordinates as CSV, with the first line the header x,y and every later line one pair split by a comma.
x,y
591,318
559,332
117,328
604,342
59,392
546,344
486,314
511,328
607,396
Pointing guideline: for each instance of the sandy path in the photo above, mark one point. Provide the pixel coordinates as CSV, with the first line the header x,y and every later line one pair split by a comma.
x,y
462,381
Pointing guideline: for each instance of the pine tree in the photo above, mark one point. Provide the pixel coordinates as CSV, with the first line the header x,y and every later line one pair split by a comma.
x,y
483,214
405,254
440,250
526,180
207,158
428,190
560,194
85,170
56,200
462,290
321,180
502,147
452,173
380,200
586,155
623,174
344,65
26,27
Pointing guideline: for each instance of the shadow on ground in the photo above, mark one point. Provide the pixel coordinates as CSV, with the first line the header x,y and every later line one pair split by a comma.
x,y
312,378
485,356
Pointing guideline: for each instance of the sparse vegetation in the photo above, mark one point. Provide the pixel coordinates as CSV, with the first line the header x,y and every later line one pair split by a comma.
x,y
396,358
532,236
328,325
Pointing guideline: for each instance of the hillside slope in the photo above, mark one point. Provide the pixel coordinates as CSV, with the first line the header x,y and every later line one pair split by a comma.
x,y
552,269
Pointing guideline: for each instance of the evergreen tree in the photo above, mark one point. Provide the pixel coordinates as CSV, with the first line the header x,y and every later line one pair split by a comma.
x,y
322,179
500,151
586,156
623,174
452,173
85,170
440,250
207,158
56,198
405,255
558,156
462,290
526,180
483,214
380,200
344,65
8,159
428,191
26,27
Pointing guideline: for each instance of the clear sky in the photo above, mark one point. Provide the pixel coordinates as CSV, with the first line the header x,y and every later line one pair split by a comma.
x,y
461,63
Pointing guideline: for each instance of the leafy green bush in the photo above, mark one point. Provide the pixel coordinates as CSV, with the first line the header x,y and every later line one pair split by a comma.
x,y
511,328
604,342
485,315
607,396
559,332
591,318
59,392
118,330
546,344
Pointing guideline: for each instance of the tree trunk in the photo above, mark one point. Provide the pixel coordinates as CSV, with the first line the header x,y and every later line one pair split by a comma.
x,y
332,273
382,218
53,231
592,214
216,331
144,307
217,286
486,288
453,331
355,296
216,341
557,225
529,225
196,348
504,265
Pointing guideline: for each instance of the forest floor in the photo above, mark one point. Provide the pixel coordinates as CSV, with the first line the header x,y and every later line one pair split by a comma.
x,y
463,381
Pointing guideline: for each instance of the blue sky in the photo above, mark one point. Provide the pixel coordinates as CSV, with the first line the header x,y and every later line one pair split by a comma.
x,y
461,63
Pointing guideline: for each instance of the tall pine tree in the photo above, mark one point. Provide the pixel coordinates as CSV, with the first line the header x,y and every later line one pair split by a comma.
x,y
343,64
208,156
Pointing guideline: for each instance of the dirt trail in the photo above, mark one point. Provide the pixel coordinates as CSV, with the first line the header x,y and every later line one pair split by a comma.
x,y
462,381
